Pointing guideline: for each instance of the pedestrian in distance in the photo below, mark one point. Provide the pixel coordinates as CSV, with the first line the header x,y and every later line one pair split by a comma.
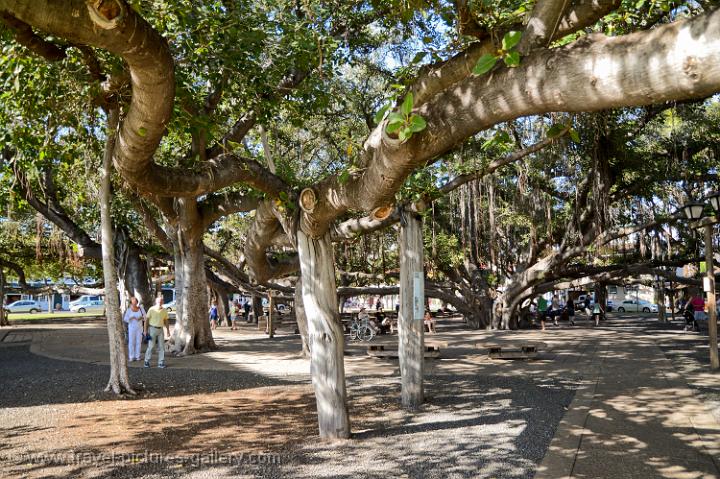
x,y
555,309
570,308
429,322
597,312
588,311
213,315
134,317
234,315
542,306
157,322
698,306
246,311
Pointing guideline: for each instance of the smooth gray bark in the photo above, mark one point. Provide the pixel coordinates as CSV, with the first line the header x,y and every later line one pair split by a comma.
x,y
410,321
301,318
712,310
119,381
327,363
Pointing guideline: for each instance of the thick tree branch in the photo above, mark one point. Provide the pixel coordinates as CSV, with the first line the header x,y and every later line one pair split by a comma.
x,y
150,221
499,163
54,212
543,23
25,36
593,73
218,205
260,237
436,78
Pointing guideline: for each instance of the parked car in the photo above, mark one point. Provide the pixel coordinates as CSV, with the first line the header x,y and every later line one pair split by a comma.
x,y
610,306
170,307
636,306
88,304
279,308
84,300
23,306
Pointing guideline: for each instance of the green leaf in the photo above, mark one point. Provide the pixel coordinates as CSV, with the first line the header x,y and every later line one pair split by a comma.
x,y
395,117
484,64
419,56
344,177
407,104
574,135
381,113
404,134
555,130
142,131
394,127
512,59
511,39
417,123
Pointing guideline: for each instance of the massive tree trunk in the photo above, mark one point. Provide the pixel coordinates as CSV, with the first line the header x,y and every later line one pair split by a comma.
x,y
412,305
257,308
119,381
136,277
192,332
327,365
301,318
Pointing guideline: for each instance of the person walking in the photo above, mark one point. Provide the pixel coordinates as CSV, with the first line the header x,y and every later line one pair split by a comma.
x,y
157,321
570,308
698,306
246,311
555,309
587,305
213,315
234,314
597,312
134,317
542,306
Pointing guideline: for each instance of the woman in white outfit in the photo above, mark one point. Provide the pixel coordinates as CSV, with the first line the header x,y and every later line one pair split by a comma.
x,y
134,316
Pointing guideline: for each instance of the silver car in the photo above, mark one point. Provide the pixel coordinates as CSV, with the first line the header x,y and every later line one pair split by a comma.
x,y
23,306
636,306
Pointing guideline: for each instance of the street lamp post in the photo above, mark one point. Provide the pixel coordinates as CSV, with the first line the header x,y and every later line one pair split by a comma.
x,y
694,211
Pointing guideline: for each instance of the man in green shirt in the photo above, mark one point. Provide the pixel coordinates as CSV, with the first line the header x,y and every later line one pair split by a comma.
x,y
157,319
542,311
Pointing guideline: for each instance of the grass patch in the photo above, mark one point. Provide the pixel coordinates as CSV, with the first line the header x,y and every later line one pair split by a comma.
x,y
36,316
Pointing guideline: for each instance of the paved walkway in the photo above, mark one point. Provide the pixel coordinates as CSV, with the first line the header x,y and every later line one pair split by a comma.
x,y
634,415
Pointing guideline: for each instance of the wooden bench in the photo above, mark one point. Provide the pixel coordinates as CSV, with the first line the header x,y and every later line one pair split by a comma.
x,y
432,350
511,351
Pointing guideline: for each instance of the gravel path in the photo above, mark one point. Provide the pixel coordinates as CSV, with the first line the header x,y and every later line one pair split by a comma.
x,y
471,426
31,380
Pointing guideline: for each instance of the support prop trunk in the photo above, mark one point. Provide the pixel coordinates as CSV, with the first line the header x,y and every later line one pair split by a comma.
x,y
327,365
301,318
119,381
410,321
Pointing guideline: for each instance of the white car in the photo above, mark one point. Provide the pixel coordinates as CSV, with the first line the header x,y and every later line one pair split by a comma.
x,y
636,306
23,306
170,307
90,306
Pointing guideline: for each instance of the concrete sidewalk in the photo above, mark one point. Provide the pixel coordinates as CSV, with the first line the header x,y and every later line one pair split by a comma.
x,y
634,418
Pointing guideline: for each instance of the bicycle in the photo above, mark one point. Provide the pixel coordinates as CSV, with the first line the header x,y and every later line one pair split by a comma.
x,y
360,330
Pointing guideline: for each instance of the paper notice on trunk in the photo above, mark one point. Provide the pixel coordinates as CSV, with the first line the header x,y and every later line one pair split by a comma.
x,y
418,295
